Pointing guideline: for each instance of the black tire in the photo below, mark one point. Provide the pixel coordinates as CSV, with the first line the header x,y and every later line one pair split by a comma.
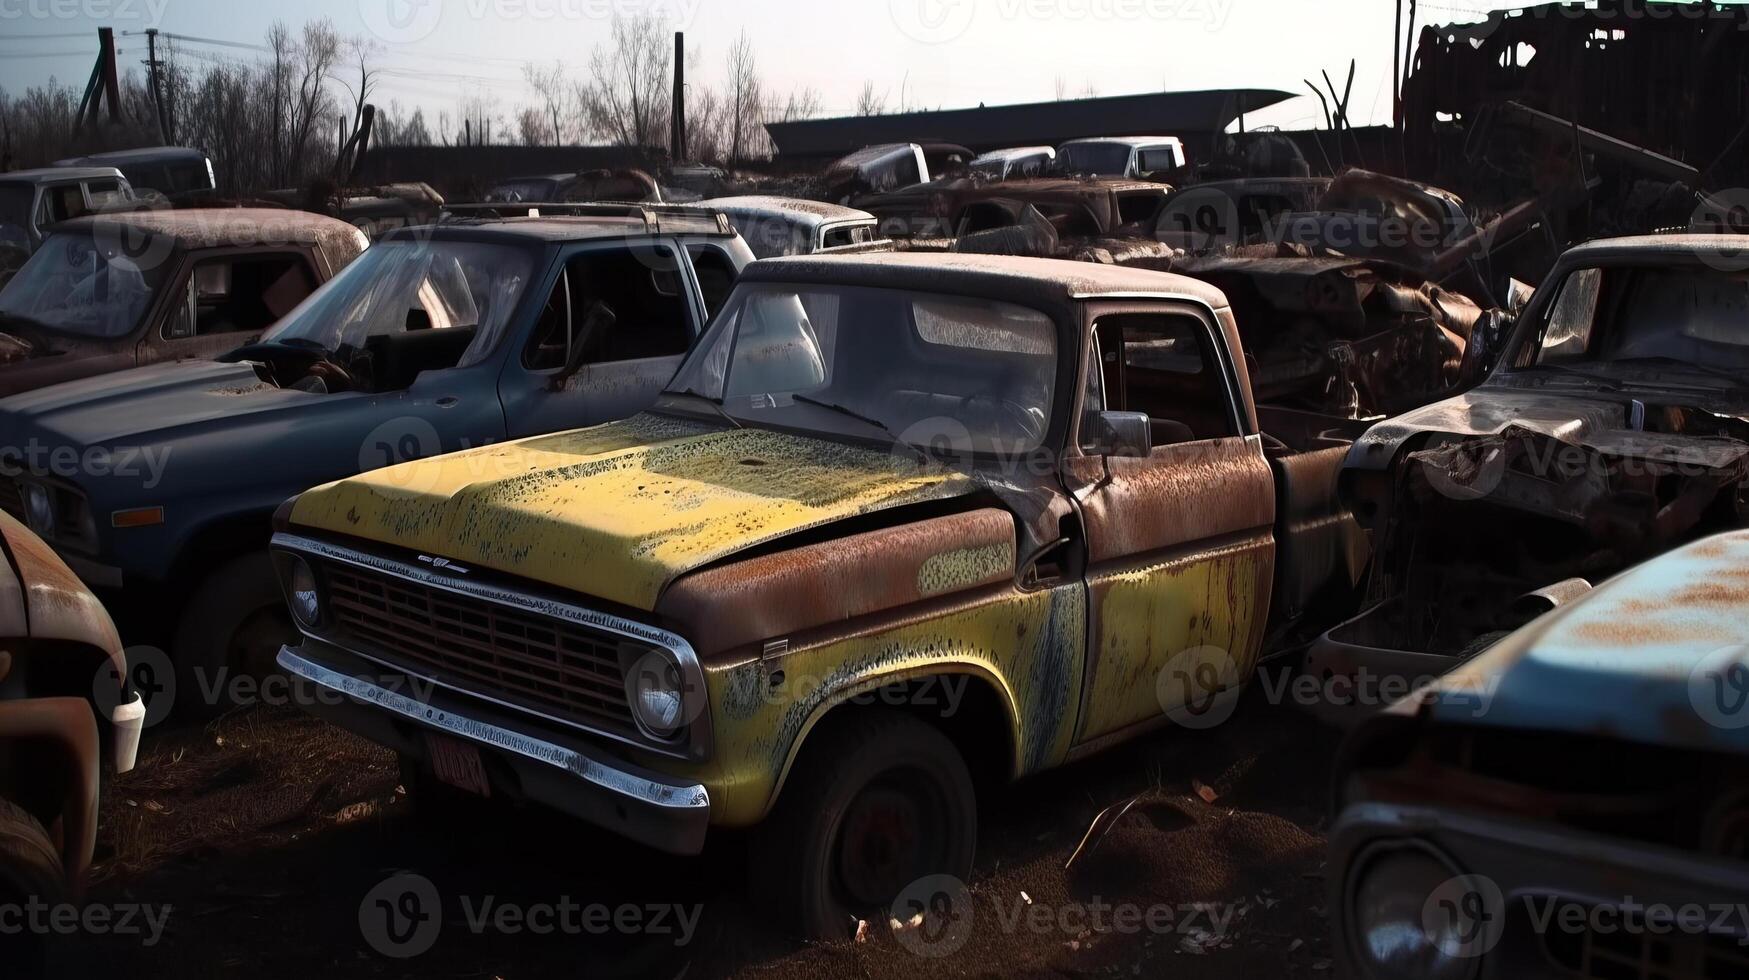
x,y
30,868
876,801
233,624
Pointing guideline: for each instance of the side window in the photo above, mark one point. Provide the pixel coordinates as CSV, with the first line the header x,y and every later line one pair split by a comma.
x,y
1157,158
716,276
1568,337
640,290
1164,366
104,193
241,294
64,202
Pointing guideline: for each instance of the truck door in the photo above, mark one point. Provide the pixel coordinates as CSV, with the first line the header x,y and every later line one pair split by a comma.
x,y
614,329
1180,543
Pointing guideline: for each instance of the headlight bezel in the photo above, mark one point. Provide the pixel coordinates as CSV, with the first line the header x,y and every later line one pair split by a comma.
x,y
1364,869
39,509
296,566
66,512
657,694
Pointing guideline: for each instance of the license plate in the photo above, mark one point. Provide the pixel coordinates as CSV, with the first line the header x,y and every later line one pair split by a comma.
x,y
458,764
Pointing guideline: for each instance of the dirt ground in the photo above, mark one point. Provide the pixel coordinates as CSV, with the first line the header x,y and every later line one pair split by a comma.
x,y
265,832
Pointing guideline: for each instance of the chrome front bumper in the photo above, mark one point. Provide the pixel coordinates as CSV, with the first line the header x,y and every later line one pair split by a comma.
x,y
547,766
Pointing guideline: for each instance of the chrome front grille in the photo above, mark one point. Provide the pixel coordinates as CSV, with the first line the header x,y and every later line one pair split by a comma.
x,y
556,668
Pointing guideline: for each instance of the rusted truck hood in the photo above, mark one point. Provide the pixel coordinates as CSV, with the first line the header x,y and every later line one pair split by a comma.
x,y
1574,416
1655,655
620,510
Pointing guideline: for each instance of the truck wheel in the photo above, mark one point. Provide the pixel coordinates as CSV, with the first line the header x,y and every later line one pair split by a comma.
x,y
234,624
29,868
874,803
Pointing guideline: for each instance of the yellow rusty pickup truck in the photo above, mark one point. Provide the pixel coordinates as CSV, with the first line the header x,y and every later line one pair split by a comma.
x,y
900,525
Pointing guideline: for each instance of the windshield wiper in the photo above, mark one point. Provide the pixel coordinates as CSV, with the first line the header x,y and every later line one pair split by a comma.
x,y
868,420
716,405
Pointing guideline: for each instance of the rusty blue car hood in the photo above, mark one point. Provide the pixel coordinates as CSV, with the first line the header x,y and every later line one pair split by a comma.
x,y
1658,655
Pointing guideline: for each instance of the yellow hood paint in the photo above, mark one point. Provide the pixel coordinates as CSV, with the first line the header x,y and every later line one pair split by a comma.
x,y
618,511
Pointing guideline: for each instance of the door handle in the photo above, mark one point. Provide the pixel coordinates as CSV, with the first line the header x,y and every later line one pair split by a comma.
x,y
448,401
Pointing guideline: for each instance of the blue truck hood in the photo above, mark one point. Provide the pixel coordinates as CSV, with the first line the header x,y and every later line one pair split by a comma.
x,y
144,404
1656,655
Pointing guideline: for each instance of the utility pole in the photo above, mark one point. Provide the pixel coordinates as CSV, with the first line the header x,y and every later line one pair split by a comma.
x,y
677,127
154,71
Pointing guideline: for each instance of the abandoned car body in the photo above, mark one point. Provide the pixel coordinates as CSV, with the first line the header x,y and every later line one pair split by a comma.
x,y
1019,161
436,339
1046,479
773,226
1529,814
1130,157
32,200
63,687
1612,430
108,292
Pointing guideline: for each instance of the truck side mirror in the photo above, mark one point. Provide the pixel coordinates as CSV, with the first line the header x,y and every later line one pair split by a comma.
x,y
1127,434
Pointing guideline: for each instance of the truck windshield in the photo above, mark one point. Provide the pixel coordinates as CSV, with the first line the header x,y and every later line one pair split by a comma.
x,y
945,373
1689,314
1102,159
76,285
398,287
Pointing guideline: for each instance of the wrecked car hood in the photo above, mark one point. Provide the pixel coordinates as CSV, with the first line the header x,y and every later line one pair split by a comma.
x,y
620,510
142,403
1655,655
1573,416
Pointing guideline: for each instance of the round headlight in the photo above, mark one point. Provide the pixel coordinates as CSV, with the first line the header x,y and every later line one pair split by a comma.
x,y
301,593
39,509
657,693
1412,915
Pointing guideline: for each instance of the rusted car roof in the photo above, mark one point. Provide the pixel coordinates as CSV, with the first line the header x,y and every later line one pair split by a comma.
x,y
1654,248
1648,656
219,227
797,209
1040,282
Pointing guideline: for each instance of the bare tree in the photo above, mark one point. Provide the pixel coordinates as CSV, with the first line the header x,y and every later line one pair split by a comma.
x,y
555,97
1062,88
802,103
870,102
625,97
742,96
313,58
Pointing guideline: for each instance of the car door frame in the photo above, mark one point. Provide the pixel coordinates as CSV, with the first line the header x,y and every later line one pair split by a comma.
x,y
1135,552
153,336
514,372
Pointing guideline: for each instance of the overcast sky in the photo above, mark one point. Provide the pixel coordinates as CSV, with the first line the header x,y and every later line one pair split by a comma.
x,y
929,53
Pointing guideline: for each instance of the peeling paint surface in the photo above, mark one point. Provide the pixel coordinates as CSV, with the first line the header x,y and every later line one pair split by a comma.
x,y
1658,654
617,511
1148,617
953,570
1029,645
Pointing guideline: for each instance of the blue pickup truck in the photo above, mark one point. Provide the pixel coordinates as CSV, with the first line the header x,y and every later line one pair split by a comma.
x,y
157,485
